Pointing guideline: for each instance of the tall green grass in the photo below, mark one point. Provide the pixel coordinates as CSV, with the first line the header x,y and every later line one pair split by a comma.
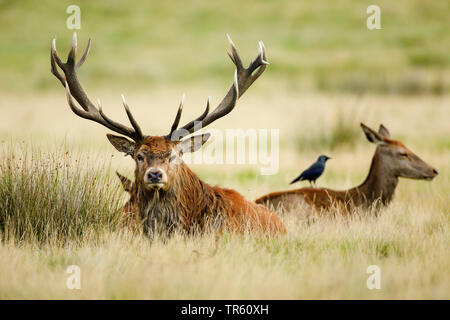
x,y
54,196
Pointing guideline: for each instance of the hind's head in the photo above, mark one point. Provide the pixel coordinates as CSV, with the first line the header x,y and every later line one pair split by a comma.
x,y
396,157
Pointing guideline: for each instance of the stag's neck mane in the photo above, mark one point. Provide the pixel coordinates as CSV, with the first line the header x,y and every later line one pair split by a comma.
x,y
183,204
379,185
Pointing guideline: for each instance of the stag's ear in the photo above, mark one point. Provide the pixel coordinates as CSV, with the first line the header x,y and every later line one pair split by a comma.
x,y
126,183
193,143
384,131
122,144
372,136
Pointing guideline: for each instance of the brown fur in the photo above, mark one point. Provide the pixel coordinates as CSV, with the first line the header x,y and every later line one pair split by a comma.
x,y
187,202
392,159
166,193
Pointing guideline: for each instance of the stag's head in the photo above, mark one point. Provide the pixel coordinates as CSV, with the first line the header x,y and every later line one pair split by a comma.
x,y
158,158
396,157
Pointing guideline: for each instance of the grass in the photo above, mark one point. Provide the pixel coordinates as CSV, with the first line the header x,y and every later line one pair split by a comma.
x,y
343,131
54,197
314,44
325,259
60,200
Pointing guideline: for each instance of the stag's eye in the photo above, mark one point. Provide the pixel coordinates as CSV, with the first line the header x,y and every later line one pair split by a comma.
x,y
140,157
172,158
404,155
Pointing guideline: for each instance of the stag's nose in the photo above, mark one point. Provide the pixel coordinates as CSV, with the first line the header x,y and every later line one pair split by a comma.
x,y
154,175
435,172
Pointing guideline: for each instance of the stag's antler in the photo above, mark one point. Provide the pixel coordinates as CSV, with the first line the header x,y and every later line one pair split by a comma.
x,y
74,89
243,79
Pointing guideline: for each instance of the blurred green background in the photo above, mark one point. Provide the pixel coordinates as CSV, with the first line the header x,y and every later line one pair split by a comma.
x,y
312,45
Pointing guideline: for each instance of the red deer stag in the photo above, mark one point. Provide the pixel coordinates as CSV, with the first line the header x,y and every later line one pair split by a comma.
x,y
392,159
168,194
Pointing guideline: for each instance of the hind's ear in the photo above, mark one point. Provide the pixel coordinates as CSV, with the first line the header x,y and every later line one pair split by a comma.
x,y
122,144
384,131
372,136
126,183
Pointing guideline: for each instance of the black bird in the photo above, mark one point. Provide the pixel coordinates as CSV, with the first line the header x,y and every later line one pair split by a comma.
x,y
314,171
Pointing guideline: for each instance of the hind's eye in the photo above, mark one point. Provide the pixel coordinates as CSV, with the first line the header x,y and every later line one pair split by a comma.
x,y
405,155
140,157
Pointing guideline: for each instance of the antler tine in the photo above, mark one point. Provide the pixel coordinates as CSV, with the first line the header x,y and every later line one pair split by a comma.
x,y
54,60
70,74
243,79
73,50
254,70
234,55
74,89
176,122
260,60
55,54
192,123
135,134
85,54
131,118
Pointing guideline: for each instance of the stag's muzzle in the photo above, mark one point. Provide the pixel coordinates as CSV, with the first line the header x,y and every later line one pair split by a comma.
x,y
155,178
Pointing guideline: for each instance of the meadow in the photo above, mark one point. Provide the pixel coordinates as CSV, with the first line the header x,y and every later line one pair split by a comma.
x,y
60,200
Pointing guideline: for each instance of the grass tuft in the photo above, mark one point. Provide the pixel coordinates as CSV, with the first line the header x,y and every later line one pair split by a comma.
x,y
54,197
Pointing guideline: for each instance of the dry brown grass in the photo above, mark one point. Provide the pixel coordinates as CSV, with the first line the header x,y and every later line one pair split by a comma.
x,y
326,259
